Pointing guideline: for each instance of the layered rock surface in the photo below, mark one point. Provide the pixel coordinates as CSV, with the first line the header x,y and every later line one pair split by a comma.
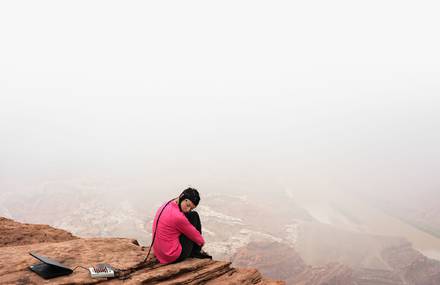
x,y
17,240
13,233
405,266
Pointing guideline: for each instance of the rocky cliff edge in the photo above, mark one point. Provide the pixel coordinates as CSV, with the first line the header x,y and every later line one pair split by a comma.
x,y
17,240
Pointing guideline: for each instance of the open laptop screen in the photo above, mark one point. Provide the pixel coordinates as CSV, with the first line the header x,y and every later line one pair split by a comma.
x,y
49,268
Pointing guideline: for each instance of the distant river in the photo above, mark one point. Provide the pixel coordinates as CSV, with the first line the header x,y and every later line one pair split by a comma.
x,y
352,214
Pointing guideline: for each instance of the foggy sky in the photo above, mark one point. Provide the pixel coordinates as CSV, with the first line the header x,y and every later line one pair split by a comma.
x,y
233,94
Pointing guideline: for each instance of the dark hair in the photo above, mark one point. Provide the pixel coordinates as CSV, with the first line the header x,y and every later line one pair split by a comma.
x,y
190,194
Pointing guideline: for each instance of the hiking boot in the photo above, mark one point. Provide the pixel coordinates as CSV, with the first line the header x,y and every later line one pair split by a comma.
x,y
201,254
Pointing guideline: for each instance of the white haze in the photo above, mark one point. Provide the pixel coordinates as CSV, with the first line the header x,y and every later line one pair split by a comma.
x,y
226,96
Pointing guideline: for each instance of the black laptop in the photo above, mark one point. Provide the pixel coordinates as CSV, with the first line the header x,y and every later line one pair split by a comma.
x,y
49,268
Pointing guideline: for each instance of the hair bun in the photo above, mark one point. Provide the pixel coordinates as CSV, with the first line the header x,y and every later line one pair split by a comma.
x,y
190,194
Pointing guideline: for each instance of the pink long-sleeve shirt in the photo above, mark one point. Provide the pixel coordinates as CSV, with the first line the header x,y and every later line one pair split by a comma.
x,y
172,224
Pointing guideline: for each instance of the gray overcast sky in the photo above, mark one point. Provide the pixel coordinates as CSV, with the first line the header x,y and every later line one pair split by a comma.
x,y
207,92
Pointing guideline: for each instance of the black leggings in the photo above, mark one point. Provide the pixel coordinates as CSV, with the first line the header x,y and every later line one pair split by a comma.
x,y
189,248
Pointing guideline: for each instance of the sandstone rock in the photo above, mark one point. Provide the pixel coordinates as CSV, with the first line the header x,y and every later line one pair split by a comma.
x,y
125,255
414,267
271,258
13,233
406,265
331,274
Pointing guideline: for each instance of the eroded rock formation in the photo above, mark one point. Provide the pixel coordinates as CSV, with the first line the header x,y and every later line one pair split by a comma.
x,y
17,240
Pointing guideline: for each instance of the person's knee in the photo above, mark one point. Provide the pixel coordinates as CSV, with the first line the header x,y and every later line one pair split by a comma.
x,y
192,214
194,218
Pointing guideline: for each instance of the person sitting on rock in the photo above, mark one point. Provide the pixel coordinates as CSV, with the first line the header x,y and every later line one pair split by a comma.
x,y
177,230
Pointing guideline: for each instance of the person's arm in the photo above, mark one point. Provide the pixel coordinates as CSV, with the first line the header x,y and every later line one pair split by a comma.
x,y
186,228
